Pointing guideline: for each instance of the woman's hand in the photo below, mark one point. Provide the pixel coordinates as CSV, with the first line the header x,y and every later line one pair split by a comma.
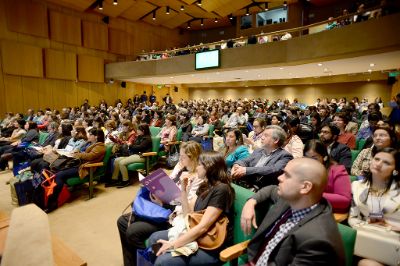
x,y
184,181
166,245
155,199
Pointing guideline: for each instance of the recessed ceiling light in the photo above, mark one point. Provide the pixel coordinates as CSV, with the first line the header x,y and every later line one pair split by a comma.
x,y
330,74
281,68
369,70
319,64
372,65
368,80
171,77
247,71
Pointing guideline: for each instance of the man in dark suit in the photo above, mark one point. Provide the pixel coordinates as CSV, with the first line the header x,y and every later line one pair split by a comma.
x,y
265,164
299,228
337,151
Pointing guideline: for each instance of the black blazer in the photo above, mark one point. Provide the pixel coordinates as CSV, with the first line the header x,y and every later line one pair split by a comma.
x,y
315,240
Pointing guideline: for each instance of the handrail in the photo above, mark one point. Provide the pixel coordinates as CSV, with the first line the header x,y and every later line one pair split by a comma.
x,y
279,32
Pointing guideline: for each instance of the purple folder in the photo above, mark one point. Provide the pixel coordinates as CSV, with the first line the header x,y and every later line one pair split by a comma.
x,y
161,185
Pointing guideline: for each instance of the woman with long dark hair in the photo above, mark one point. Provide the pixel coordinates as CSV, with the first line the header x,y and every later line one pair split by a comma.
x,y
215,197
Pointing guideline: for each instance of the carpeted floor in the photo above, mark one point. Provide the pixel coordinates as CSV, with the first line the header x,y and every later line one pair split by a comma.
x,y
87,226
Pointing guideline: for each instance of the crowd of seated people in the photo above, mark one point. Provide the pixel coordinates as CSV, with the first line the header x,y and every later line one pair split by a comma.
x,y
259,139
359,15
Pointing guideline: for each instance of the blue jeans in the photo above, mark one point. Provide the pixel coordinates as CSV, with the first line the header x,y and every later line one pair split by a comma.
x,y
201,257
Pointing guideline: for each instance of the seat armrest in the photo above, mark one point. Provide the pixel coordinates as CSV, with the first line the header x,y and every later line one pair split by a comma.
x,y
90,165
234,251
147,154
173,142
340,217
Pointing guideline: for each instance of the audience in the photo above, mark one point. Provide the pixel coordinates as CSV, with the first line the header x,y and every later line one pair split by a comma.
x,y
215,198
376,198
265,164
338,151
234,148
134,231
338,188
307,233
383,137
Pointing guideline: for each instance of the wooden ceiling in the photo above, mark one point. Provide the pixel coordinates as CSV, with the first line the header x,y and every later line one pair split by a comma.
x,y
193,13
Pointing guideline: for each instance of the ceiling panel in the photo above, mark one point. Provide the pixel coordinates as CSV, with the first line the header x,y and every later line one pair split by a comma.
x,y
115,10
177,21
161,16
80,5
138,10
141,10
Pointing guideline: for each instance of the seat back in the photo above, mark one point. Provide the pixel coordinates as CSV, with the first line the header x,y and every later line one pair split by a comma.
x,y
155,148
241,197
211,131
348,235
154,131
101,170
360,144
354,154
179,134
42,137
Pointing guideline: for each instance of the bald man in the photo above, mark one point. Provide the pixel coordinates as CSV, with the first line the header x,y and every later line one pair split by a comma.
x,y
299,229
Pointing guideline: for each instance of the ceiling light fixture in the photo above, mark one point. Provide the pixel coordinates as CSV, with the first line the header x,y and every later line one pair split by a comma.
x,y
266,6
230,16
284,3
199,3
319,64
101,5
154,15
182,8
188,25
167,11
372,65
216,20
247,11
115,2
202,22
369,70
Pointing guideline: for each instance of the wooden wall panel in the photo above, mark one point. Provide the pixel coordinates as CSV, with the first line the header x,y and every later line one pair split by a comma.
x,y
95,35
60,65
30,92
120,42
27,17
66,29
13,94
90,68
21,59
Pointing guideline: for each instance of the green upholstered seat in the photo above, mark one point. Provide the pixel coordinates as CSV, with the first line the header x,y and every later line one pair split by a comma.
x,y
347,233
94,175
42,137
360,144
354,154
154,131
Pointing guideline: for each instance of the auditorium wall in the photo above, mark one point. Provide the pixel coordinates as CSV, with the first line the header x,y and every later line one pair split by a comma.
x,y
305,93
54,57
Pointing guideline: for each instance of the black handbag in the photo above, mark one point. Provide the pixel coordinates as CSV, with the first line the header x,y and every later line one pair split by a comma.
x,y
64,162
